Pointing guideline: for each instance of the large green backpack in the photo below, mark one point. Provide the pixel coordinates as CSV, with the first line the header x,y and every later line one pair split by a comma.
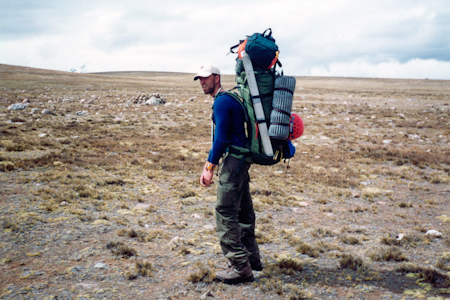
x,y
265,80
263,52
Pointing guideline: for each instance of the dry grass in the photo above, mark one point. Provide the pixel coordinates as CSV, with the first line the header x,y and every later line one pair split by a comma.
x,y
374,163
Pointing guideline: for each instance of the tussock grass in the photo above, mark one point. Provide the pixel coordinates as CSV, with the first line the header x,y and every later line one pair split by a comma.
x,y
388,254
202,273
9,224
6,166
409,240
285,262
140,235
443,262
415,155
142,269
427,274
322,232
348,261
350,240
120,249
408,267
262,237
306,248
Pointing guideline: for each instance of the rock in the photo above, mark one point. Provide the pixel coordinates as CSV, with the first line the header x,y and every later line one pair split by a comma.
x,y
34,110
48,112
17,106
206,295
175,242
303,204
101,265
433,233
41,135
155,101
400,236
26,100
81,113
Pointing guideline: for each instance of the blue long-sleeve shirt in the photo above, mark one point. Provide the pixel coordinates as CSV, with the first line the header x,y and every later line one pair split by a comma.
x,y
229,120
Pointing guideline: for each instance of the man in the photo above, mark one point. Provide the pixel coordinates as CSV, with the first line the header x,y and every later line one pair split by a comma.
x,y
235,216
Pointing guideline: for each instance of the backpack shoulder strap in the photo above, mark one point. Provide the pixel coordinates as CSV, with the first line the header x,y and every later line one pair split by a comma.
x,y
238,99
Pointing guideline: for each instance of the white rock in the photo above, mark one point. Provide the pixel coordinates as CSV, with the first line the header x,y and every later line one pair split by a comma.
x,y
196,216
175,242
400,236
48,112
434,233
101,266
17,106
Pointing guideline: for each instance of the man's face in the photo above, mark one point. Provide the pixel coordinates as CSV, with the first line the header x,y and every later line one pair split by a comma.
x,y
208,84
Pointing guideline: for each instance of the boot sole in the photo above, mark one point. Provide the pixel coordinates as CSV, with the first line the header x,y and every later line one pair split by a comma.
x,y
257,268
238,280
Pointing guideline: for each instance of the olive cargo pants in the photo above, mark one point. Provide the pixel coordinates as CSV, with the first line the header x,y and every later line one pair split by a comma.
x,y
235,216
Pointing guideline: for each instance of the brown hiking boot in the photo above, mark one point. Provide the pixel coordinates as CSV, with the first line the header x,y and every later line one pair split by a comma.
x,y
256,265
236,275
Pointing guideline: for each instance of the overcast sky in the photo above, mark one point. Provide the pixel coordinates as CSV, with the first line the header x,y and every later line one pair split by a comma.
x,y
356,38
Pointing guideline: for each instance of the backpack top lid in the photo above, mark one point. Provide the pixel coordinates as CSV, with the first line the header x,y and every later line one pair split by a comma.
x,y
261,48
296,127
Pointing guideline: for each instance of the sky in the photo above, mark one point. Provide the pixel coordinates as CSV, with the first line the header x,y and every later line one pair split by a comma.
x,y
345,38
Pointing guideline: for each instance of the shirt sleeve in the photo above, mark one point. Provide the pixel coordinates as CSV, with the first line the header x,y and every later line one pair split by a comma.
x,y
222,116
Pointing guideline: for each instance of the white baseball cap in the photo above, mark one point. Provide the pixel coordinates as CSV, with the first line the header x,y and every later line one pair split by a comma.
x,y
206,71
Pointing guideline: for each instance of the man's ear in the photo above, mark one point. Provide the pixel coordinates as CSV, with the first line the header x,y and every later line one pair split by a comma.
x,y
217,79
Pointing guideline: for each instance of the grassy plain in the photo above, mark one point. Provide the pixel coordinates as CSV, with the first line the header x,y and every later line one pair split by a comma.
x,y
105,180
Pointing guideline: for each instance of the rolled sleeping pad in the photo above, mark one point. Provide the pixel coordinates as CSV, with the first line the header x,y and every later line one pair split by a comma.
x,y
280,117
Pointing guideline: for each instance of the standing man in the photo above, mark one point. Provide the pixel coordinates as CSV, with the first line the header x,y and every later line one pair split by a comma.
x,y
235,216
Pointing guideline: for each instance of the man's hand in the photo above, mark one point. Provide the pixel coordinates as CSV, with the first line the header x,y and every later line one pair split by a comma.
x,y
207,175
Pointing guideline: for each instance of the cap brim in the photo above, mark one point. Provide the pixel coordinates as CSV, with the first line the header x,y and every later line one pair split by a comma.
x,y
206,74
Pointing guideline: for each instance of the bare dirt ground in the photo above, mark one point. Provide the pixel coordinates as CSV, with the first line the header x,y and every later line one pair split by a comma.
x,y
100,199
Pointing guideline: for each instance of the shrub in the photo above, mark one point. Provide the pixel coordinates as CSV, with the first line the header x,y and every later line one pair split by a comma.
x,y
348,261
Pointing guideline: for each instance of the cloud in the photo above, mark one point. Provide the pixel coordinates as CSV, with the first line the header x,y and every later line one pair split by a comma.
x,y
326,37
413,69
